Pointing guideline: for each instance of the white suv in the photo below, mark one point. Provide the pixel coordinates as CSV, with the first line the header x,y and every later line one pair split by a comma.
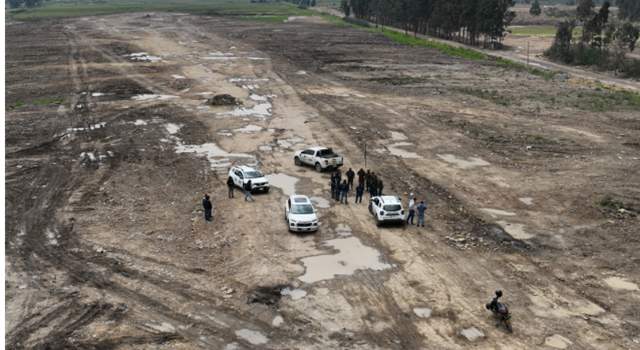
x,y
300,214
386,209
242,174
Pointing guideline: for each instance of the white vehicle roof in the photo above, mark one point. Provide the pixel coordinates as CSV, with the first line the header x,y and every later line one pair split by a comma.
x,y
390,200
244,168
299,199
317,148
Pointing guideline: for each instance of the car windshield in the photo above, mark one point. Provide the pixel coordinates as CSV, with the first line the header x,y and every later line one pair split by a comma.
x,y
325,153
302,209
253,174
392,207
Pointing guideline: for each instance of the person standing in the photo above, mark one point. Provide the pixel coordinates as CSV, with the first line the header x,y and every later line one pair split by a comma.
x,y
367,180
333,185
247,192
373,185
361,175
421,209
208,208
359,192
230,186
380,187
350,175
412,209
344,190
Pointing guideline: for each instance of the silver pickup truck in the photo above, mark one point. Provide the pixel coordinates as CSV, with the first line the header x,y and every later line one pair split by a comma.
x,y
320,158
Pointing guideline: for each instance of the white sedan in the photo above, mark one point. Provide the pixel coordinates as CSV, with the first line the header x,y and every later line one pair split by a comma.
x,y
300,214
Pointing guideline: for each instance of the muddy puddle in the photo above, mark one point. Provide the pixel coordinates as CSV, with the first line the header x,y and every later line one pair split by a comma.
x,y
219,159
352,256
516,231
497,212
286,183
249,129
422,312
400,149
294,294
253,337
619,283
320,202
471,162
557,341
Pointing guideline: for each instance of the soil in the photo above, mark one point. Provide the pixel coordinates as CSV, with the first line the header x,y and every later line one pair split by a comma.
x,y
533,187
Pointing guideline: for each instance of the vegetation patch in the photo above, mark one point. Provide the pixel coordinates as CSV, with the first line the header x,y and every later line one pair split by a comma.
x,y
486,94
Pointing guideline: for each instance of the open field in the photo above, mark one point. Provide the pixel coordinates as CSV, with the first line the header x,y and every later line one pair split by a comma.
x,y
533,185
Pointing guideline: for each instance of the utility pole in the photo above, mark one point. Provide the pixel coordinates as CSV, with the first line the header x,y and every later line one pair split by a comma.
x,y
527,54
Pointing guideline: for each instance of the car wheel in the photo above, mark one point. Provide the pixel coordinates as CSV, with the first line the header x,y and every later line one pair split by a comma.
x,y
318,167
266,190
297,161
378,222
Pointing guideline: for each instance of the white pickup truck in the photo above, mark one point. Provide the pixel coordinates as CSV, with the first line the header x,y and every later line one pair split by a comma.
x,y
320,158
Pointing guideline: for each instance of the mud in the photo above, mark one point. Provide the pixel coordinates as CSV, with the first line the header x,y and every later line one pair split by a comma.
x,y
110,250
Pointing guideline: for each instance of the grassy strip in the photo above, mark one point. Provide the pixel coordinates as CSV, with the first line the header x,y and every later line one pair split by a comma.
x,y
446,49
267,19
543,73
60,9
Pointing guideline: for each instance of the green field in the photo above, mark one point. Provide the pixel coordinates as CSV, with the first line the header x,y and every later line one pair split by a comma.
x,y
542,31
57,9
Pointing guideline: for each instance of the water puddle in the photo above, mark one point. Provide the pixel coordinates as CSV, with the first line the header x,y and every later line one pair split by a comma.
x,y
139,122
472,334
253,337
526,200
321,202
262,109
178,77
172,128
557,341
295,294
277,321
232,346
472,162
497,212
619,283
143,57
151,97
88,128
246,80
422,312
395,150
343,230
515,230
352,256
249,129
398,136
290,142
52,237
162,327
219,159
284,182
265,148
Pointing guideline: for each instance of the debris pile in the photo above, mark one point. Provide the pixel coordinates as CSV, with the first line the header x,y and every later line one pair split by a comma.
x,y
223,100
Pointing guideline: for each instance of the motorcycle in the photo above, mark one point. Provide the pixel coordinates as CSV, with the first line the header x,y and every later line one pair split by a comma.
x,y
500,311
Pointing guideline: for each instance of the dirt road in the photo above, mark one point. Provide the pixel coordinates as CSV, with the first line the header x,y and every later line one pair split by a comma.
x,y
532,186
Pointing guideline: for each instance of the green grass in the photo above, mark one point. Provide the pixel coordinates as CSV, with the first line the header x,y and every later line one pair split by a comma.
x,y
541,31
447,49
267,18
64,8
543,73
46,101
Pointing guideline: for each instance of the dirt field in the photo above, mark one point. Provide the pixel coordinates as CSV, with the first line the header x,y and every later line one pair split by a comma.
x,y
533,188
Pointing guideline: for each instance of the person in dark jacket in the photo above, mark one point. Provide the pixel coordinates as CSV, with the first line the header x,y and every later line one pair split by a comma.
x,y
344,190
208,208
333,186
380,187
361,175
350,175
230,186
247,192
367,180
359,192
421,208
373,185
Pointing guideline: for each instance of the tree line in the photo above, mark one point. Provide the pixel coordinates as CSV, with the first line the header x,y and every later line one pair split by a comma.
x,y
604,41
473,22
14,4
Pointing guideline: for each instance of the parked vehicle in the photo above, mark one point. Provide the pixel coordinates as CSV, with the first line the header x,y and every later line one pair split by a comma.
x,y
320,158
300,214
386,209
242,174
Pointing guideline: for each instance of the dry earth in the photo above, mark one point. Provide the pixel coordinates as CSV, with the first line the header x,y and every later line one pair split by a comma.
x,y
533,187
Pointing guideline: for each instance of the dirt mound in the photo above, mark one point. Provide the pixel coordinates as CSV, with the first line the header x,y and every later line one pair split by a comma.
x,y
122,88
223,100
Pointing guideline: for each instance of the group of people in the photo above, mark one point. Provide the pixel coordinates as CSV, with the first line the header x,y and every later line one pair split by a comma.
x,y
367,180
340,189
246,188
